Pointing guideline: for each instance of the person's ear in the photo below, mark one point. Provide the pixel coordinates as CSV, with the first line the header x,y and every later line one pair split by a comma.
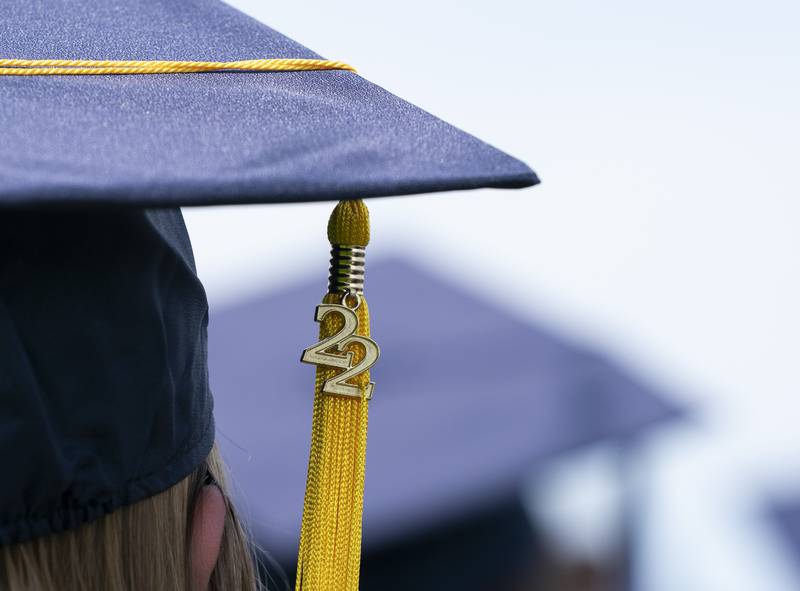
x,y
208,522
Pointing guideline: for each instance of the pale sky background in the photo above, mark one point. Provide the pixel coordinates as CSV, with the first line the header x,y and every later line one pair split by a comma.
x,y
665,230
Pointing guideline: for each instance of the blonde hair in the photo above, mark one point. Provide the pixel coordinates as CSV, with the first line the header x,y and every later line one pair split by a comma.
x,y
141,546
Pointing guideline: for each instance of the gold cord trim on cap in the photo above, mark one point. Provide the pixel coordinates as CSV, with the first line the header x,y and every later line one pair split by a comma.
x,y
21,67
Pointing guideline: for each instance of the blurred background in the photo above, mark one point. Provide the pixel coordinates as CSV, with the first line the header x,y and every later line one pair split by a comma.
x,y
655,263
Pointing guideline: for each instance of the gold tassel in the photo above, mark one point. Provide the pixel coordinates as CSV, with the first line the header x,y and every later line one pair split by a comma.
x,y
330,540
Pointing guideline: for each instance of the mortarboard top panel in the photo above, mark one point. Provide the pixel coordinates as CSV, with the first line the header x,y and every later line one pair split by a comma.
x,y
460,415
212,138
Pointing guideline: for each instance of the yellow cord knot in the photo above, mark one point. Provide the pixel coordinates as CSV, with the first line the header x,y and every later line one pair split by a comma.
x,y
349,223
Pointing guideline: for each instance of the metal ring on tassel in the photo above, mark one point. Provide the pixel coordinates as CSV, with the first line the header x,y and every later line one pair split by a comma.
x,y
347,269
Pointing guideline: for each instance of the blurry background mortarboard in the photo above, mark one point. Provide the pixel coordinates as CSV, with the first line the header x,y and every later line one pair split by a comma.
x,y
466,415
785,519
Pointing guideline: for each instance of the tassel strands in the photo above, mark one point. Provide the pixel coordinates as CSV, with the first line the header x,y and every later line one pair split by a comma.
x,y
330,541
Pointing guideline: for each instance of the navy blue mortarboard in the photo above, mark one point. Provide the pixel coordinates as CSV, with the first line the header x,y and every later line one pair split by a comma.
x,y
451,439
786,518
210,138
103,389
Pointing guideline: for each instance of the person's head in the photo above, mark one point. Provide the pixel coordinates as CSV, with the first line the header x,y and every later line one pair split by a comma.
x,y
185,538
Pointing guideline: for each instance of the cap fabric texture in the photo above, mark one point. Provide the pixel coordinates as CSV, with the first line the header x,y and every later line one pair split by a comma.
x,y
210,138
104,395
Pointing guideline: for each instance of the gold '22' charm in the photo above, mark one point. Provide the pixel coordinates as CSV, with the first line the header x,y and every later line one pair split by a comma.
x,y
329,352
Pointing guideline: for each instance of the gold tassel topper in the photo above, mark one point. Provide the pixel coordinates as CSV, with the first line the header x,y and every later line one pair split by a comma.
x,y
329,557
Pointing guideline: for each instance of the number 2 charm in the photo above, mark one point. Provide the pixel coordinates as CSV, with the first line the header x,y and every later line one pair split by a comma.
x,y
320,353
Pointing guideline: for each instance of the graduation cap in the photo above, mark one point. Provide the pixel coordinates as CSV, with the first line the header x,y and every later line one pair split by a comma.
x,y
464,417
785,517
110,108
